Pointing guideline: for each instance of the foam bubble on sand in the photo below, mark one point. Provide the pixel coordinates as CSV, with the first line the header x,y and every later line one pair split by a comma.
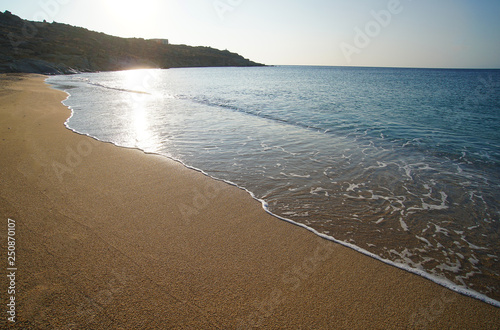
x,y
403,224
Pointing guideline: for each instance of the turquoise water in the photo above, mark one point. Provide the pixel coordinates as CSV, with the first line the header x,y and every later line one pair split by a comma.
x,y
401,164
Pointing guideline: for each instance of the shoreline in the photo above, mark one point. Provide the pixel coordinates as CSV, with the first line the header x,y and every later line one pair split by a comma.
x,y
113,236
464,290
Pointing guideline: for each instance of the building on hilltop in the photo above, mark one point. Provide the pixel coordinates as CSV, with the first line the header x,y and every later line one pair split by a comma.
x,y
160,41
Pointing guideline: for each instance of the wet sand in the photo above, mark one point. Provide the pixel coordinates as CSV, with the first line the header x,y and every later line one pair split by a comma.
x,y
113,238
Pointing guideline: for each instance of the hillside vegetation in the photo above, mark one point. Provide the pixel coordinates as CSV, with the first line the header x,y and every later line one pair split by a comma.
x,y
55,48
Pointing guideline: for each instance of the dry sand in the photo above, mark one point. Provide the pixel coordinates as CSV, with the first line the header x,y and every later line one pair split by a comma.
x,y
112,238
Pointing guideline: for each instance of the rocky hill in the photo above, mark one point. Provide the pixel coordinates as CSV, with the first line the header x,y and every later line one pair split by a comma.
x,y
55,48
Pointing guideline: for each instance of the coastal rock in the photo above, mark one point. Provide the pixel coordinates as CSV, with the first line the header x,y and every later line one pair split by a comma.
x,y
35,66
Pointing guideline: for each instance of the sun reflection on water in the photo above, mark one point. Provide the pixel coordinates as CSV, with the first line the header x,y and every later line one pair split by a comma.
x,y
141,103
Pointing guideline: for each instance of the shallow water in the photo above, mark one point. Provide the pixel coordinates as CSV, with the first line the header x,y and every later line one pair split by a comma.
x,y
399,163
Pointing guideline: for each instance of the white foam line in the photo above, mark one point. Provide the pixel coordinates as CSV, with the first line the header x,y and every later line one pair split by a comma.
x,y
441,281
438,280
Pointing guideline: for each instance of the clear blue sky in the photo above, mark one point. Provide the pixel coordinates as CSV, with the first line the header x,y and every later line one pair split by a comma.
x,y
418,33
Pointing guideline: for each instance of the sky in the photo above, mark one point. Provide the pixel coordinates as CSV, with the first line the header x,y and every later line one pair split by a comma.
x,y
377,33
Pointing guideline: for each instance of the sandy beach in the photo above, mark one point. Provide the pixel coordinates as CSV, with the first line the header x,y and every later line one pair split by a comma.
x,y
113,238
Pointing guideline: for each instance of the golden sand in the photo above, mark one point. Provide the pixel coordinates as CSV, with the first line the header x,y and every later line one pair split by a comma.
x,y
112,238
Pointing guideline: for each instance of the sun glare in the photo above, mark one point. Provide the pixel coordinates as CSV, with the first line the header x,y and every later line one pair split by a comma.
x,y
127,10
133,17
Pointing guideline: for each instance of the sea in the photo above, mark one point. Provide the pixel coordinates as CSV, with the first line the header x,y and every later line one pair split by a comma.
x,y
400,164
